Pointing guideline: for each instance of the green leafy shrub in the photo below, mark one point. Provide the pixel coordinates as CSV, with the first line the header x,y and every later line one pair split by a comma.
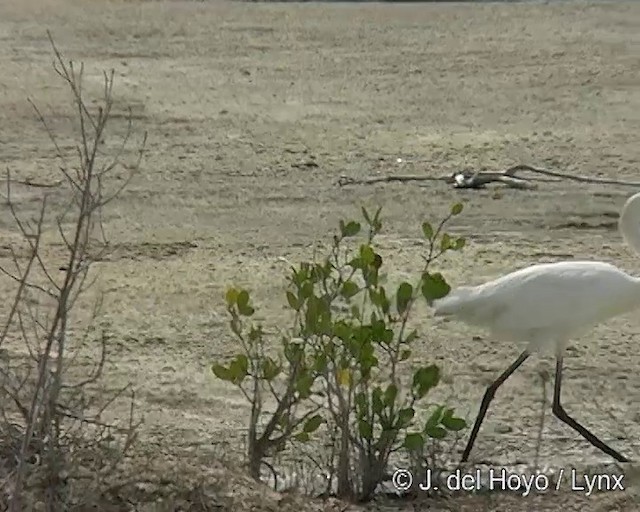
x,y
344,364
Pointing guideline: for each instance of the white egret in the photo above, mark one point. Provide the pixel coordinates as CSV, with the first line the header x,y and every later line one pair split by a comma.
x,y
546,305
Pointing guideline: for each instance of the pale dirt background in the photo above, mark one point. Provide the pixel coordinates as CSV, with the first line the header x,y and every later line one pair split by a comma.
x,y
239,98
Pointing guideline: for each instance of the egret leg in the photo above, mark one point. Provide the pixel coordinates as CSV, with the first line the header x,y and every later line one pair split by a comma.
x,y
486,400
562,415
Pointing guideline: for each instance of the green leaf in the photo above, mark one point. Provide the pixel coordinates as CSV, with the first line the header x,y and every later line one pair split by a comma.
x,y
356,263
365,430
376,400
405,354
413,441
293,301
424,379
385,304
292,351
238,368
246,310
377,328
312,424
456,209
342,226
436,432
376,223
349,289
411,336
243,299
342,330
377,261
303,385
445,242
231,296
435,418
427,230
405,416
221,372
320,362
452,423
306,290
242,362
365,214
403,297
390,394
270,369
362,405
367,255
434,286
303,437
352,228
344,376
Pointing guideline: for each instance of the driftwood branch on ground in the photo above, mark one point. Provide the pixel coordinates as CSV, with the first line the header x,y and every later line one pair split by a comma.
x,y
479,179
37,184
32,183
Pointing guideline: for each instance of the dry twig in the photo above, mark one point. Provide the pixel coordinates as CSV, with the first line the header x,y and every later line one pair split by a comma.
x,y
58,414
479,179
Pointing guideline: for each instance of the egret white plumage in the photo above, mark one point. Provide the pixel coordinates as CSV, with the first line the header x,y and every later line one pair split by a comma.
x,y
546,305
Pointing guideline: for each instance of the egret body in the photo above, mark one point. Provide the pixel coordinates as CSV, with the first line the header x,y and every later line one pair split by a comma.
x,y
545,306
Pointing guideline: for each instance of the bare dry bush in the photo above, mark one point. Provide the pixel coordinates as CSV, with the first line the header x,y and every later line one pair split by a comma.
x,y
52,431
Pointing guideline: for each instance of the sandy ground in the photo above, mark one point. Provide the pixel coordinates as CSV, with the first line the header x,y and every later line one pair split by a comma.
x,y
239,98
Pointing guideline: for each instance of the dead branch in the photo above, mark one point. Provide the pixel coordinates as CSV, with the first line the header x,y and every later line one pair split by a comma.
x,y
42,318
37,184
571,177
467,179
479,179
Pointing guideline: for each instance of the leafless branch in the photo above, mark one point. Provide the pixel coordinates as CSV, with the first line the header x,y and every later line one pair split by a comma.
x,y
40,390
481,178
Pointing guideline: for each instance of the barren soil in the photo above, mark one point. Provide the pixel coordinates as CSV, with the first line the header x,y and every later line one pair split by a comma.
x,y
254,111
